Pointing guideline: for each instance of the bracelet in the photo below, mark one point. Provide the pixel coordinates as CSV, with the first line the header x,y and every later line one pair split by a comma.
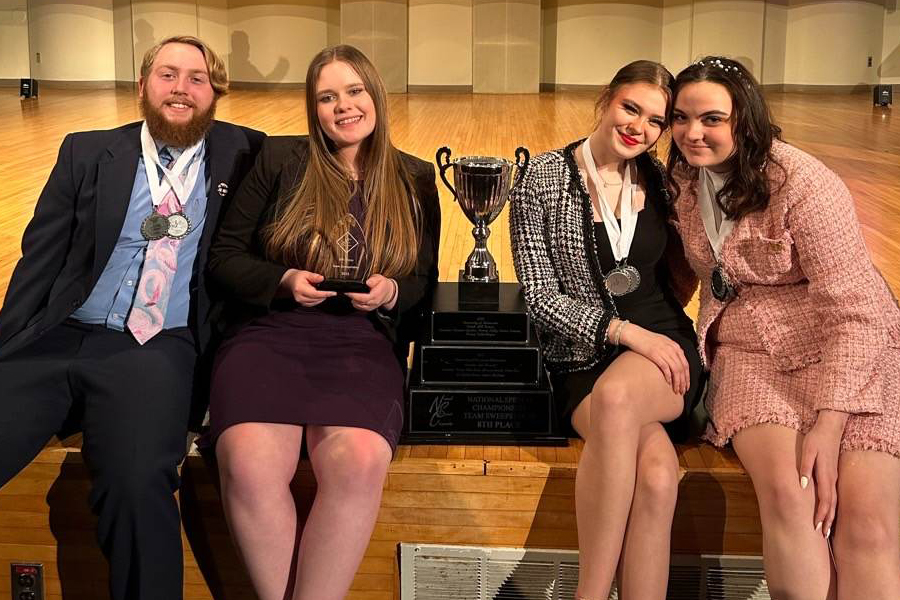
x,y
396,292
617,334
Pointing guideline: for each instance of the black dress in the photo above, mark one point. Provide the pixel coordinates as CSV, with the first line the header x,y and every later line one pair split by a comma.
x,y
322,365
652,306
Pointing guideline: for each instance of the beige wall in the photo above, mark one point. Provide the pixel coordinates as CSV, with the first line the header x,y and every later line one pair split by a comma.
x,y
75,40
730,27
889,68
13,39
828,42
440,42
123,41
379,28
506,46
153,21
677,27
577,42
586,42
274,42
774,41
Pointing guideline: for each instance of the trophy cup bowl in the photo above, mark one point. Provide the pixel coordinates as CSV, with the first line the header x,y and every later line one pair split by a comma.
x,y
483,184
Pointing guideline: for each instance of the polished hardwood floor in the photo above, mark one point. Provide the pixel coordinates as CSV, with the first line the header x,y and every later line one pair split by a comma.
x,y
859,141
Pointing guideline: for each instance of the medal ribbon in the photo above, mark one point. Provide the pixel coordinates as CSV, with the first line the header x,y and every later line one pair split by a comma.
x,y
619,238
710,184
174,179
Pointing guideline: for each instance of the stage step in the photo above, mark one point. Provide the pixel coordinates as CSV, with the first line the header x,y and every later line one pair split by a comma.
x,y
507,496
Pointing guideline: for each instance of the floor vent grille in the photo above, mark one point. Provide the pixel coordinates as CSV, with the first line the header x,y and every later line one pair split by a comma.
x,y
437,572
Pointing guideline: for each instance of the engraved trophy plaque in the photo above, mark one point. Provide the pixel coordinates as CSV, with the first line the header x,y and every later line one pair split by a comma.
x,y
482,187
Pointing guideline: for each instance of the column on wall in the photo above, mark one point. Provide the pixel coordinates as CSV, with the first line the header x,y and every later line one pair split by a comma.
x,y
506,46
379,29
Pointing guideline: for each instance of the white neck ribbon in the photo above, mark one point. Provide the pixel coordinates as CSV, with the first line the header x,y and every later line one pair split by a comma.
x,y
172,178
709,185
620,238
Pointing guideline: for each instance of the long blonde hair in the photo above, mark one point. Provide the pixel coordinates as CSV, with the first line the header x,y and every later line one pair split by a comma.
x,y
392,219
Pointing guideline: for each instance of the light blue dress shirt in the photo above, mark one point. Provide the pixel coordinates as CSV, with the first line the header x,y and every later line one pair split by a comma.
x,y
111,299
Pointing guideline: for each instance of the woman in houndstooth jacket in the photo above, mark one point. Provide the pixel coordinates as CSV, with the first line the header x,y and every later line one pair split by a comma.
x,y
801,334
600,269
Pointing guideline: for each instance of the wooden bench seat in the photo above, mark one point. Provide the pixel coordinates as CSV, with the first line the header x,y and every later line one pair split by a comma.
x,y
515,496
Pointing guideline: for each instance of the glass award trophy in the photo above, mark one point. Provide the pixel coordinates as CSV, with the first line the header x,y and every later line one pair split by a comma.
x,y
346,244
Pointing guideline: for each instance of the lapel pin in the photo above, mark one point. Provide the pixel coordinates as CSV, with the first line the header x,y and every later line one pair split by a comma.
x,y
222,188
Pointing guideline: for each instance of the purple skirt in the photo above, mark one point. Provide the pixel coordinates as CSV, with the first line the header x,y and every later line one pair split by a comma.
x,y
308,367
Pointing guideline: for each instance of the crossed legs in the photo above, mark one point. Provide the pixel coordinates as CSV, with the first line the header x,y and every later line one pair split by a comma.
x,y
627,481
257,462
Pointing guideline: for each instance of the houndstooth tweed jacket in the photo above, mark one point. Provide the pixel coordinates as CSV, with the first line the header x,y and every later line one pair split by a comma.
x,y
803,273
554,253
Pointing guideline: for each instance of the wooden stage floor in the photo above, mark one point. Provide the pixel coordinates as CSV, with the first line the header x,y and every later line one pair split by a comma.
x,y
859,141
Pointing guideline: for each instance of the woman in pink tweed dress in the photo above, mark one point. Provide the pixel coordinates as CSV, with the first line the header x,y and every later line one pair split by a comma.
x,y
801,335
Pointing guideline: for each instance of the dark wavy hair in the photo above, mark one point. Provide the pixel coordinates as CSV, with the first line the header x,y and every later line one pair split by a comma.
x,y
748,187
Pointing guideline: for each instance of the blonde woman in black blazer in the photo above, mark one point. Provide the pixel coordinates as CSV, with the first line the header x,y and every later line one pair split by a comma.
x,y
314,366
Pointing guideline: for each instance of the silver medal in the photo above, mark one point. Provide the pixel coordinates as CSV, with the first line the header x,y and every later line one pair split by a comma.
x,y
720,285
155,227
622,280
178,225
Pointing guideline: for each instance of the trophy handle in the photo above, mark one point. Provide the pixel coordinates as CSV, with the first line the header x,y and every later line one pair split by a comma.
x,y
522,158
443,166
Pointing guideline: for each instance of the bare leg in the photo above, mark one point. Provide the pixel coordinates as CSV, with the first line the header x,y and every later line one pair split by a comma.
x,y
867,529
644,565
630,394
257,462
350,465
796,557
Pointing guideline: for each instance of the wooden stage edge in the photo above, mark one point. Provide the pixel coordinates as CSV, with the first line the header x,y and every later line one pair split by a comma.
x,y
507,496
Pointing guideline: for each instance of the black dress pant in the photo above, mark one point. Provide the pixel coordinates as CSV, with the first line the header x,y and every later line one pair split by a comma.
x,y
133,404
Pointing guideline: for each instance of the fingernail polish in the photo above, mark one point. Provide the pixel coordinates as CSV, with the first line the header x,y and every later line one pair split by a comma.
x,y
819,526
804,481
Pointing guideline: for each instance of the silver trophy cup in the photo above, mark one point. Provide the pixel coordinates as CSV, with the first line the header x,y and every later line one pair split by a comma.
x,y
482,187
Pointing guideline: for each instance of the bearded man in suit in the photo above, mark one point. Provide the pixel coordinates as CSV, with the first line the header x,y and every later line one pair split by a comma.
x,y
109,317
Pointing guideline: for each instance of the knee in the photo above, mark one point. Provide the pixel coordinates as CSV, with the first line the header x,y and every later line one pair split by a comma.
x,y
127,484
245,477
611,403
355,464
865,531
656,484
782,501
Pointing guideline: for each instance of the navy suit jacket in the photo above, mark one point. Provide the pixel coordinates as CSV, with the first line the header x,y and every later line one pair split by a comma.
x,y
78,219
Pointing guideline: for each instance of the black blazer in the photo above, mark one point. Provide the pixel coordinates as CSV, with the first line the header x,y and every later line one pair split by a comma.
x,y
237,259
79,217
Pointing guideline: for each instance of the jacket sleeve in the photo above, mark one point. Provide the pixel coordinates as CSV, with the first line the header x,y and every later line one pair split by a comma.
x,y
551,309
833,256
44,245
233,263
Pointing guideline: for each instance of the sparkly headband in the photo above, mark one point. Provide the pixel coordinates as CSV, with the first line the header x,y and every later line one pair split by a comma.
x,y
718,63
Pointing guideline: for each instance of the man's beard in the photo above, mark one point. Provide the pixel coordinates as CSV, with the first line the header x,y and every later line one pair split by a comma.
x,y
177,135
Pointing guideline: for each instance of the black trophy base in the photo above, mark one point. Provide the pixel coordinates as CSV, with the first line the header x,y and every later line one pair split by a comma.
x,y
481,416
478,294
452,321
343,286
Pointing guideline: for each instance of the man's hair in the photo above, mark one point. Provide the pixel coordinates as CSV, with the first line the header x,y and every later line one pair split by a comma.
x,y
218,76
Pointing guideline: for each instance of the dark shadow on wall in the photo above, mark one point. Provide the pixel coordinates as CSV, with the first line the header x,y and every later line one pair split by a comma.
x,y
240,67
144,39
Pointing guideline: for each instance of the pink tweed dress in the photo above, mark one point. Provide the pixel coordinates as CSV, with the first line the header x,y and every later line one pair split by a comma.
x,y
814,325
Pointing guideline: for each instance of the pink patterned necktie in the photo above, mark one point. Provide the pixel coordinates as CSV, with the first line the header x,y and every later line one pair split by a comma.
x,y
148,314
